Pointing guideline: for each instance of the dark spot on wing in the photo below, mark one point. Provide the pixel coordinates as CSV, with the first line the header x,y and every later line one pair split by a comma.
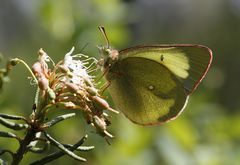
x,y
162,58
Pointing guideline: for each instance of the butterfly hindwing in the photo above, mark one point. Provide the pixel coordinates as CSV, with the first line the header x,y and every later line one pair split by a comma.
x,y
146,91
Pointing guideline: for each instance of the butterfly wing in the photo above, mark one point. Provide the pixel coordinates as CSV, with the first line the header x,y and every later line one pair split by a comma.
x,y
152,83
189,63
147,92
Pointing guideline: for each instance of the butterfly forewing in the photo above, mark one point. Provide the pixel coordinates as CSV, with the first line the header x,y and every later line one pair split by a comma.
x,y
189,63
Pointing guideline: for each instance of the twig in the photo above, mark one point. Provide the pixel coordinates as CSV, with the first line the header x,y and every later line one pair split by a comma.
x,y
18,156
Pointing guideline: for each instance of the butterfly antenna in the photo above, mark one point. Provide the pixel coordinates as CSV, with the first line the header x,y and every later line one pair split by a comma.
x,y
102,30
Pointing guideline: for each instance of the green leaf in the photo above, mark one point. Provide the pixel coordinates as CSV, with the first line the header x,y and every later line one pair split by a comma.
x,y
58,119
80,148
12,125
8,135
39,150
12,117
59,154
65,150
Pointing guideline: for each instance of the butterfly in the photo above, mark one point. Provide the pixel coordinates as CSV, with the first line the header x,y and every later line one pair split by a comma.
x,y
151,84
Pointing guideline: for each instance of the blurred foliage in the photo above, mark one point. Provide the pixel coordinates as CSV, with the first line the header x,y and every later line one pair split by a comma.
x,y
208,131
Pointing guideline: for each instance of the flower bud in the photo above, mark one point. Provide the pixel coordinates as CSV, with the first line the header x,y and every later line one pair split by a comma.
x,y
92,91
70,105
63,69
14,62
72,87
51,94
100,125
43,83
41,52
65,105
102,104
37,68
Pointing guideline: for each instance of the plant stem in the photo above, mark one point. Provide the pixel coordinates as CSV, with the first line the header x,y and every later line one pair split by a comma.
x,y
28,68
18,156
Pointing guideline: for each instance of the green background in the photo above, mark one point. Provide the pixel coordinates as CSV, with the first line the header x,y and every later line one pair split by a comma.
x,y
206,133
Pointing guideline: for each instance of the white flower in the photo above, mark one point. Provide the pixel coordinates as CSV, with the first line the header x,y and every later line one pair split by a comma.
x,y
77,68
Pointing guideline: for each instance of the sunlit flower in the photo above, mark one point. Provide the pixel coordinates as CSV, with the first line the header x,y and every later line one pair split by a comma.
x,y
70,85
77,68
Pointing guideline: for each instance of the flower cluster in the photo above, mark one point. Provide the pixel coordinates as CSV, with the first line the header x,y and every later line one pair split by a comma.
x,y
68,85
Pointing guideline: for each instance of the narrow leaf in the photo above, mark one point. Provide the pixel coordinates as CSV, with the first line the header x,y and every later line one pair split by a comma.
x,y
59,154
58,119
65,150
8,135
12,117
38,150
80,148
12,125
32,146
85,148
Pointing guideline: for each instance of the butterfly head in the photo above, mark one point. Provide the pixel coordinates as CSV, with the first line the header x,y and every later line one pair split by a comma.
x,y
109,55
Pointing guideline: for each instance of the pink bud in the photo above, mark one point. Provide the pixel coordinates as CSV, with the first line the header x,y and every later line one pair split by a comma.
x,y
99,123
102,104
37,68
72,87
43,83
